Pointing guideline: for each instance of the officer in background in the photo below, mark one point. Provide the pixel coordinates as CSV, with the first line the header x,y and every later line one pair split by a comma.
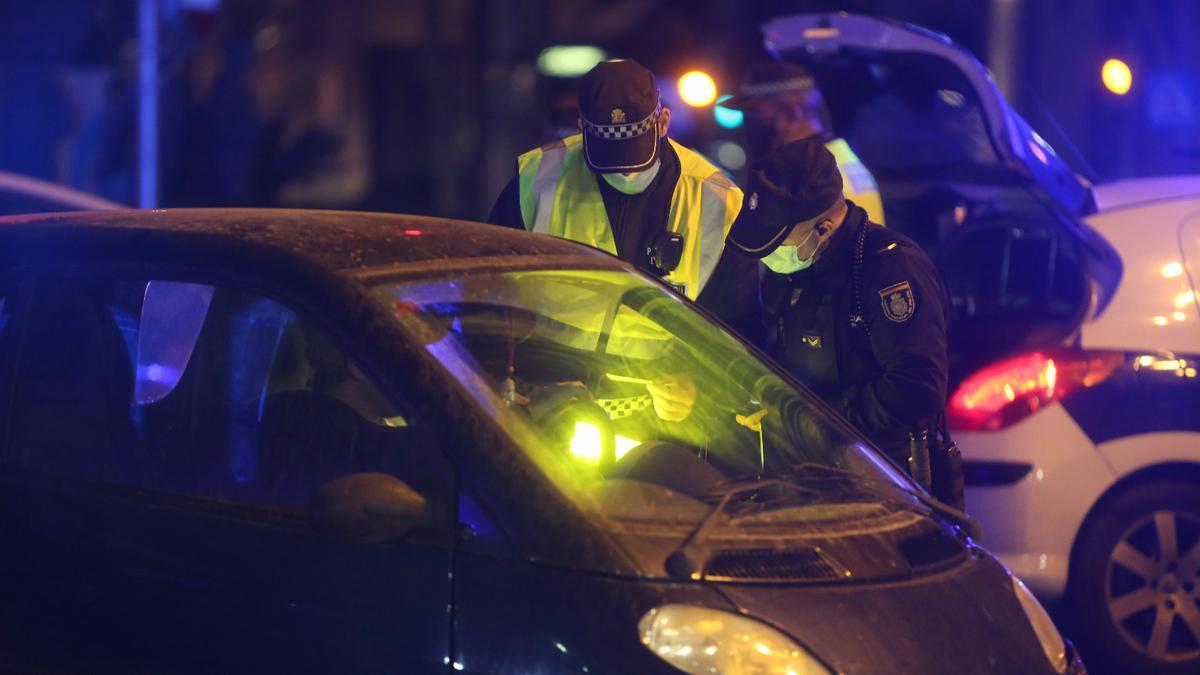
x,y
855,311
782,103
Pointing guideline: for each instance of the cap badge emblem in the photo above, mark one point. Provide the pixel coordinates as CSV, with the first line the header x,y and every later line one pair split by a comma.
x,y
618,116
753,201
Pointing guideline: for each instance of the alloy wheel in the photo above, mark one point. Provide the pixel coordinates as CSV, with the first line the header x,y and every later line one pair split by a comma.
x,y
1153,585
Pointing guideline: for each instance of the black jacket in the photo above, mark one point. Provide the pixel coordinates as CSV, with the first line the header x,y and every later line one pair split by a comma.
x,y
636,221
887,373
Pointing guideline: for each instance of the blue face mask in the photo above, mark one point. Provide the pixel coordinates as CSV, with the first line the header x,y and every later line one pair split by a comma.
x,y
786,259
632,184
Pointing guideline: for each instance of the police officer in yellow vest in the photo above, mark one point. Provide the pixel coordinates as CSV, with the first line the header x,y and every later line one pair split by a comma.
x,y
624,187
782,104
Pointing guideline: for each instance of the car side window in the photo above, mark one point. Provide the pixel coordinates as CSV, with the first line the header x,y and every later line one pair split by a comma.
x,y
204,391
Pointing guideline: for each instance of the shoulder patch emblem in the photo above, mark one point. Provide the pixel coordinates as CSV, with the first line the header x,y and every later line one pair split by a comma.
x,y
898,302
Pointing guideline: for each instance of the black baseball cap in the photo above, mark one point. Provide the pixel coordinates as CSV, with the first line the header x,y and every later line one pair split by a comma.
x,y
794,183
619,103
770,78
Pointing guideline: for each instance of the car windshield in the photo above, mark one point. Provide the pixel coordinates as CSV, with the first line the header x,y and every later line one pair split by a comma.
x,y
634,404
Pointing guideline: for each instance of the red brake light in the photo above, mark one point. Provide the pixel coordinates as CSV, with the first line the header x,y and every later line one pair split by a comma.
x,y
1009,391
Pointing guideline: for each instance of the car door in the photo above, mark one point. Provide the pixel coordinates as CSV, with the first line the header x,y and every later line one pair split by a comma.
x,y
163,442
963,175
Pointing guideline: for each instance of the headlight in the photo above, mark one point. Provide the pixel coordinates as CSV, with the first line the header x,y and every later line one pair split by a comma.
x,y
700,640
1043,627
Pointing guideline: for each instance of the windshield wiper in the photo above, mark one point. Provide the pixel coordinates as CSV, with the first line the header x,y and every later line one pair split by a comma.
x,y
689,558
891,492
686,561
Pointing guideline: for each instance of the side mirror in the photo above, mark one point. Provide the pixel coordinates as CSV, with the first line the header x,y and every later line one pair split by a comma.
x,y
366,508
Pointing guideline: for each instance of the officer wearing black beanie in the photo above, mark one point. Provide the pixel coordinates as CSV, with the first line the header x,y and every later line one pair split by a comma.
x,y
855,311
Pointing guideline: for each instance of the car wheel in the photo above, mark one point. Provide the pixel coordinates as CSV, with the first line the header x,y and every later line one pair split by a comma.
x,y
1136,581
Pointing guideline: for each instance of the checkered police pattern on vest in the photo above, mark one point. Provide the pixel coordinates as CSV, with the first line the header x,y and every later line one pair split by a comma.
x,y
624,407
620,132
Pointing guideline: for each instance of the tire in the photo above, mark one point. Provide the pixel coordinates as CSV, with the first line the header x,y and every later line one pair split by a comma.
x,y
1133,591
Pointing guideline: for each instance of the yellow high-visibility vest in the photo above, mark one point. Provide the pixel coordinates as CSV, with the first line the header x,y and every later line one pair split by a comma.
x,y
560,197
857,182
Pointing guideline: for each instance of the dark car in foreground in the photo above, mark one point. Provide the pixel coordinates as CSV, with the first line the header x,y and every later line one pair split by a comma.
x,y
282,441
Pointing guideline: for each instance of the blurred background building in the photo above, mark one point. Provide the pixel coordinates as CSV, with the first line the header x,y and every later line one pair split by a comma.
x,y
422,105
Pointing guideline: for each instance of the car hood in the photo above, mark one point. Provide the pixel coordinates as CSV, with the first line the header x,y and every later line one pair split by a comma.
x,y
888,63
965,620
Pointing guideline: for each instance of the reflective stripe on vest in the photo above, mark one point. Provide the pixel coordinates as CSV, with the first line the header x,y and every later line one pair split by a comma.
x,y
560,197
857,182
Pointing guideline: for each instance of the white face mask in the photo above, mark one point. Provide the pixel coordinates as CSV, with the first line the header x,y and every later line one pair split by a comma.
x,y
634,183
786,258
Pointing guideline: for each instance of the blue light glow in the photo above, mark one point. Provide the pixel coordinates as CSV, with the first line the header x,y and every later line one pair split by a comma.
x,y
727,117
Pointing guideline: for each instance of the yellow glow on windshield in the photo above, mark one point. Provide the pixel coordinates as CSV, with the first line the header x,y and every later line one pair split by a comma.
x,y
586,443
624,445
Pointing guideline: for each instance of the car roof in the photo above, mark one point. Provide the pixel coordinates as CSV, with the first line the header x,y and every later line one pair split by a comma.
x,y
343,242
62,196
1124,193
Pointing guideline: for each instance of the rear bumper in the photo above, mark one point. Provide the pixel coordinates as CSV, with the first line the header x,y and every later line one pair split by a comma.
x,y
1034,483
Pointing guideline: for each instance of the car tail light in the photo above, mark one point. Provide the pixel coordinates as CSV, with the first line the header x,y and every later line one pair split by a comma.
x,y
1009,391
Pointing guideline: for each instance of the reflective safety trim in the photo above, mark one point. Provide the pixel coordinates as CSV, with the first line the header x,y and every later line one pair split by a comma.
x,y
579,213
714,205
549,171
701,185
858,185
527,170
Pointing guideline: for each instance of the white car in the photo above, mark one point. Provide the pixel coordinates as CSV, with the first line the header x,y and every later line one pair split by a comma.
x,y
1074,338
1084,459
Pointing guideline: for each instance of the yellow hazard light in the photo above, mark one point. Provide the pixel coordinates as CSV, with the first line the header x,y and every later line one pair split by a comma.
x,y
1117,76
697,89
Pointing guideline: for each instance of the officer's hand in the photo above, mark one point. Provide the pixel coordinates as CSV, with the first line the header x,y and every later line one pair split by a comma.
x,y
674,396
